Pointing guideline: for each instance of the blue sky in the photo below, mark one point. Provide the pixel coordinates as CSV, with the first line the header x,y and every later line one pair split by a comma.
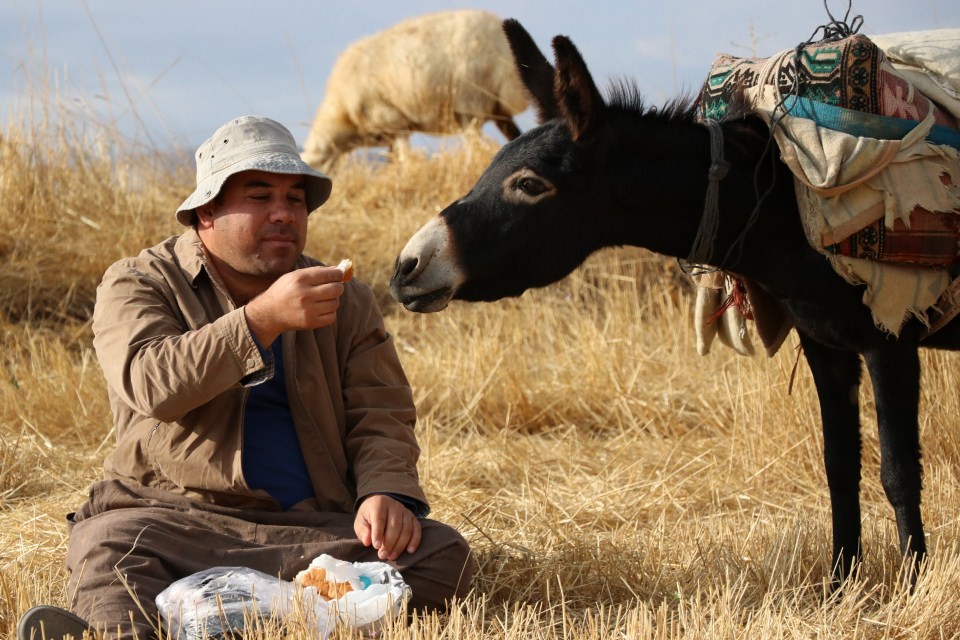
x,y
173,71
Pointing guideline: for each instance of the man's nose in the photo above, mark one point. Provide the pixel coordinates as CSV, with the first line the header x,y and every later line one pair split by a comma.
x,y
282,210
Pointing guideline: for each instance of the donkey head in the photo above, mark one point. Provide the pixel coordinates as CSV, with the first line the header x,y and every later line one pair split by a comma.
x,y
523,224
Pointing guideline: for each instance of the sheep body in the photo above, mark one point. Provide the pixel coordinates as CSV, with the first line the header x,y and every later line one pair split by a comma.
x,y
439,73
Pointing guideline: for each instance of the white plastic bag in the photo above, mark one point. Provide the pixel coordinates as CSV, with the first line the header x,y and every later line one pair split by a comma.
x,y
377,592
221,600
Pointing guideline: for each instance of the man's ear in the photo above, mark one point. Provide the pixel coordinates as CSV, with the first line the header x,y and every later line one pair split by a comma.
x,y
204,214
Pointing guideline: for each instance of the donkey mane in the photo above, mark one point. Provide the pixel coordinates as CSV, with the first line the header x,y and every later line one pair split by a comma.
x,y
623,94
753,134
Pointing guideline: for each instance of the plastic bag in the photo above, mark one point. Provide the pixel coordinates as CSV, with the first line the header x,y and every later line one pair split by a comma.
x,y
225,600
377,591
222,600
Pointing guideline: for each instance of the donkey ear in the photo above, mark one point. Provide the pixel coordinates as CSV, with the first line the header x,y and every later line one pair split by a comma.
x,y
582,104
535,71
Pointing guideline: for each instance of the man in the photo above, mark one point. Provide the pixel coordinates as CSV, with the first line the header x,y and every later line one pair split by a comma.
x,y
262,414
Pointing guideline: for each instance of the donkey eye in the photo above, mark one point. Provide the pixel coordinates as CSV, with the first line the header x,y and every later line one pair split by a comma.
x,y
531,186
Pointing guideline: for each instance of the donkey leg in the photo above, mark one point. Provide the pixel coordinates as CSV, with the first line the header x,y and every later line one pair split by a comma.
x,y
895,372
836,375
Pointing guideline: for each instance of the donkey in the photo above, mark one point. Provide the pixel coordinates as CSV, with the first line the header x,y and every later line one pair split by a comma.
x,y
596,174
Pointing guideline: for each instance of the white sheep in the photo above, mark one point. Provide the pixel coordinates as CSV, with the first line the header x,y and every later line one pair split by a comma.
x,y
440,73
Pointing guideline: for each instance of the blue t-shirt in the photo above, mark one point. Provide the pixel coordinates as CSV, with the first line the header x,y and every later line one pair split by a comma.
x,y
272,457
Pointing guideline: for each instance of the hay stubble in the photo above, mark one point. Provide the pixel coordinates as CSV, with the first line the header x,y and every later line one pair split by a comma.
x,y
612,482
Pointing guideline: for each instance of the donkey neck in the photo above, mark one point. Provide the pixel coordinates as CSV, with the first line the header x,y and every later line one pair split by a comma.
x,y
664,196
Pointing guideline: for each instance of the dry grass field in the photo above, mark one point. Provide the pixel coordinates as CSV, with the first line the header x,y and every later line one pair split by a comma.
x,y
612,483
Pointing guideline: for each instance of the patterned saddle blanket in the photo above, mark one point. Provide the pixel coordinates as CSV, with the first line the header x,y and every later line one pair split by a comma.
x,y
876,160
850,85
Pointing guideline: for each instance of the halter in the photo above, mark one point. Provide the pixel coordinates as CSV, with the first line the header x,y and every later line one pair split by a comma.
x,y
702,250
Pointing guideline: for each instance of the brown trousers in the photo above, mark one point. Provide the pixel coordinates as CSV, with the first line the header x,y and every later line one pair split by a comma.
x,y
126,547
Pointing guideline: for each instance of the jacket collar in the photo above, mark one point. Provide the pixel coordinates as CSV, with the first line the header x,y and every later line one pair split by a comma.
x,y
190,255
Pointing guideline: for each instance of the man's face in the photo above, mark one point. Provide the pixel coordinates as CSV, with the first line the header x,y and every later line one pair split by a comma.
x,y
258,225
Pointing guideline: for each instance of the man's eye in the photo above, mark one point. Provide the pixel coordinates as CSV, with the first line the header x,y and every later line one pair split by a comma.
x,y
531,186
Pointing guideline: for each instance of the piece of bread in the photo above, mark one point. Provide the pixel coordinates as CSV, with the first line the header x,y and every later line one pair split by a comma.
x,y
317,577
346,266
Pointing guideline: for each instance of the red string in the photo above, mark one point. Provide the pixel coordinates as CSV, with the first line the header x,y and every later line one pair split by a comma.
x,y
737,297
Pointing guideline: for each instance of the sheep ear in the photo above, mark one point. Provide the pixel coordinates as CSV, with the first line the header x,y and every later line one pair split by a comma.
x,y
576,92
534,69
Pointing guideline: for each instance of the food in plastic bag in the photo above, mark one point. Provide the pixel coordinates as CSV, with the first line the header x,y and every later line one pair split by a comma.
x,y
224,600
364,595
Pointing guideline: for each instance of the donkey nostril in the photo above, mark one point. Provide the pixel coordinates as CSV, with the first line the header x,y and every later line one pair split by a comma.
x,y
408,266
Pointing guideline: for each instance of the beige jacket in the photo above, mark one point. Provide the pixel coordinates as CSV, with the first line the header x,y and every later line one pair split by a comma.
x,y
176,353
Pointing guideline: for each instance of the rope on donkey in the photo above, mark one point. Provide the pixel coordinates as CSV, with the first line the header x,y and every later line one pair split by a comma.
x,y
701,253
702,250
833,30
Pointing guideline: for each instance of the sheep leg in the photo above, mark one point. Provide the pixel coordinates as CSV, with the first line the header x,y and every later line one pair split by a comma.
x,y
505,123
508,127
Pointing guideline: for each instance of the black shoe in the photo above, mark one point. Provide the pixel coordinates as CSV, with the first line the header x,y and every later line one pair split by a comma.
x,y
45,622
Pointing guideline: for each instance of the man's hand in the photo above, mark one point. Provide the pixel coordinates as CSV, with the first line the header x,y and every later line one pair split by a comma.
x,y
302,299
388,526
